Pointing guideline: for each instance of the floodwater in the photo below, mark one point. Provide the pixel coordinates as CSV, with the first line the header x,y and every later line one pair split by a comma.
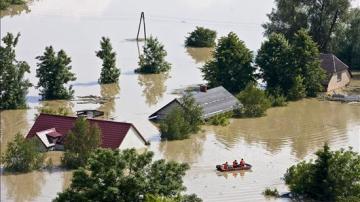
x,y
271,143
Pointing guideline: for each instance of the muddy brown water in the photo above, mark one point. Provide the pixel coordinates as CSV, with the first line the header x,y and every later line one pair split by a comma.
x,y
271,143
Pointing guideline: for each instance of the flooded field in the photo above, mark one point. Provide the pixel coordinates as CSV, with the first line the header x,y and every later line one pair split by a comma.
x,y
271,143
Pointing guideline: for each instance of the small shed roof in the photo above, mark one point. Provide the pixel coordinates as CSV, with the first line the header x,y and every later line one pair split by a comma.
x,y
331,64
112,133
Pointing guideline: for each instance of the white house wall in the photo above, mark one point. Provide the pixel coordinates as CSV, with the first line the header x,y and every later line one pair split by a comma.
x,y
132,140
335,84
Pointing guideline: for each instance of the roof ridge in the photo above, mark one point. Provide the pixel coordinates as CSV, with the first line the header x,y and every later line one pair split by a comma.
x,y
91,119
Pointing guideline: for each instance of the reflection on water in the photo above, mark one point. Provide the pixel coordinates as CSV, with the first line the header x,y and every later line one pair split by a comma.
x,y
12,122
305,125
233,174
153,87
200,55
188,150
56,106
109,91
23,187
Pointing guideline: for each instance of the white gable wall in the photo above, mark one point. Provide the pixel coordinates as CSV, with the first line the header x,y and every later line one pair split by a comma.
x,y
132,140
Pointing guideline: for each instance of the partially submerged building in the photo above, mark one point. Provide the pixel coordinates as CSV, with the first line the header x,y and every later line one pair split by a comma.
x,y
213,102
52,130
338,74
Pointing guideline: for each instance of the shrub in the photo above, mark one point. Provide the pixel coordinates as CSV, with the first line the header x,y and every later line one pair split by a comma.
x,y
201,37
254,101
220,119
276,98
333,175
297,91
80,142
22,155
182,121
271,192
153,59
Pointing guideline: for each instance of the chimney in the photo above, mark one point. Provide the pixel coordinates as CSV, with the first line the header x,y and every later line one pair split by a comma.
x,y
203,88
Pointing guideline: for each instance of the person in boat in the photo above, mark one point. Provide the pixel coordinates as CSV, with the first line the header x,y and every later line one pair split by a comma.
x,y
225,165
242,163
235,164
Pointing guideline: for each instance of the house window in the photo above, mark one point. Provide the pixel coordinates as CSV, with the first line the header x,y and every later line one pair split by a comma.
x,y
339,77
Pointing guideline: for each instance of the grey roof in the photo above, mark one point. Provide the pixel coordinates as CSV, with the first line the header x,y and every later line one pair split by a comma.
x,y
216,100
331,64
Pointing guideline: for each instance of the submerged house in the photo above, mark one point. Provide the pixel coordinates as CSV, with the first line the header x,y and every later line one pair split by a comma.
x,y
213,102
338,74
52,130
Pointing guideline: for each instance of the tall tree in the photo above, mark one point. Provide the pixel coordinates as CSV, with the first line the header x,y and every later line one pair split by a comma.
x,y
109,72
53,72
13,86
293,69
83,139
348,44
231,66
274,62
201,37
305,54
152,61
323,18
125,176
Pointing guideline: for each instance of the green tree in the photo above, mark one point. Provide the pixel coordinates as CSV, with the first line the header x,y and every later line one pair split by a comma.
x,y
4,4
305,54
201,37
83,139
182,120
323,19
297,90
333,176
53,72
348,48
153,59
124,176
255,101
292,69
275,64
22,155
109,72
13,86
231,66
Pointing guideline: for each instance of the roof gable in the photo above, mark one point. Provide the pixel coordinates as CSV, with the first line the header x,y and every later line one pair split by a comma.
x,y
331,64
112,133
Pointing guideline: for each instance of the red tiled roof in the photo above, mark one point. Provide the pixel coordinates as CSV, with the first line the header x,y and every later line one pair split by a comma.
x,y
112,133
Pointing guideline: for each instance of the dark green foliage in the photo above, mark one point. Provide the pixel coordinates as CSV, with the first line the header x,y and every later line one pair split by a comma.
x,y
271,192
255,102
182,121
323,19
13,86
53,72
125,176
83,139
348,49
292,70
231,66
276,98
220,119
109,72
22,155
201,37
4,4
334,175
273,59
305,54
153,59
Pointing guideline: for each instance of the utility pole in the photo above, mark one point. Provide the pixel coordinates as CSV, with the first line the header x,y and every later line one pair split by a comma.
x,y
142,19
